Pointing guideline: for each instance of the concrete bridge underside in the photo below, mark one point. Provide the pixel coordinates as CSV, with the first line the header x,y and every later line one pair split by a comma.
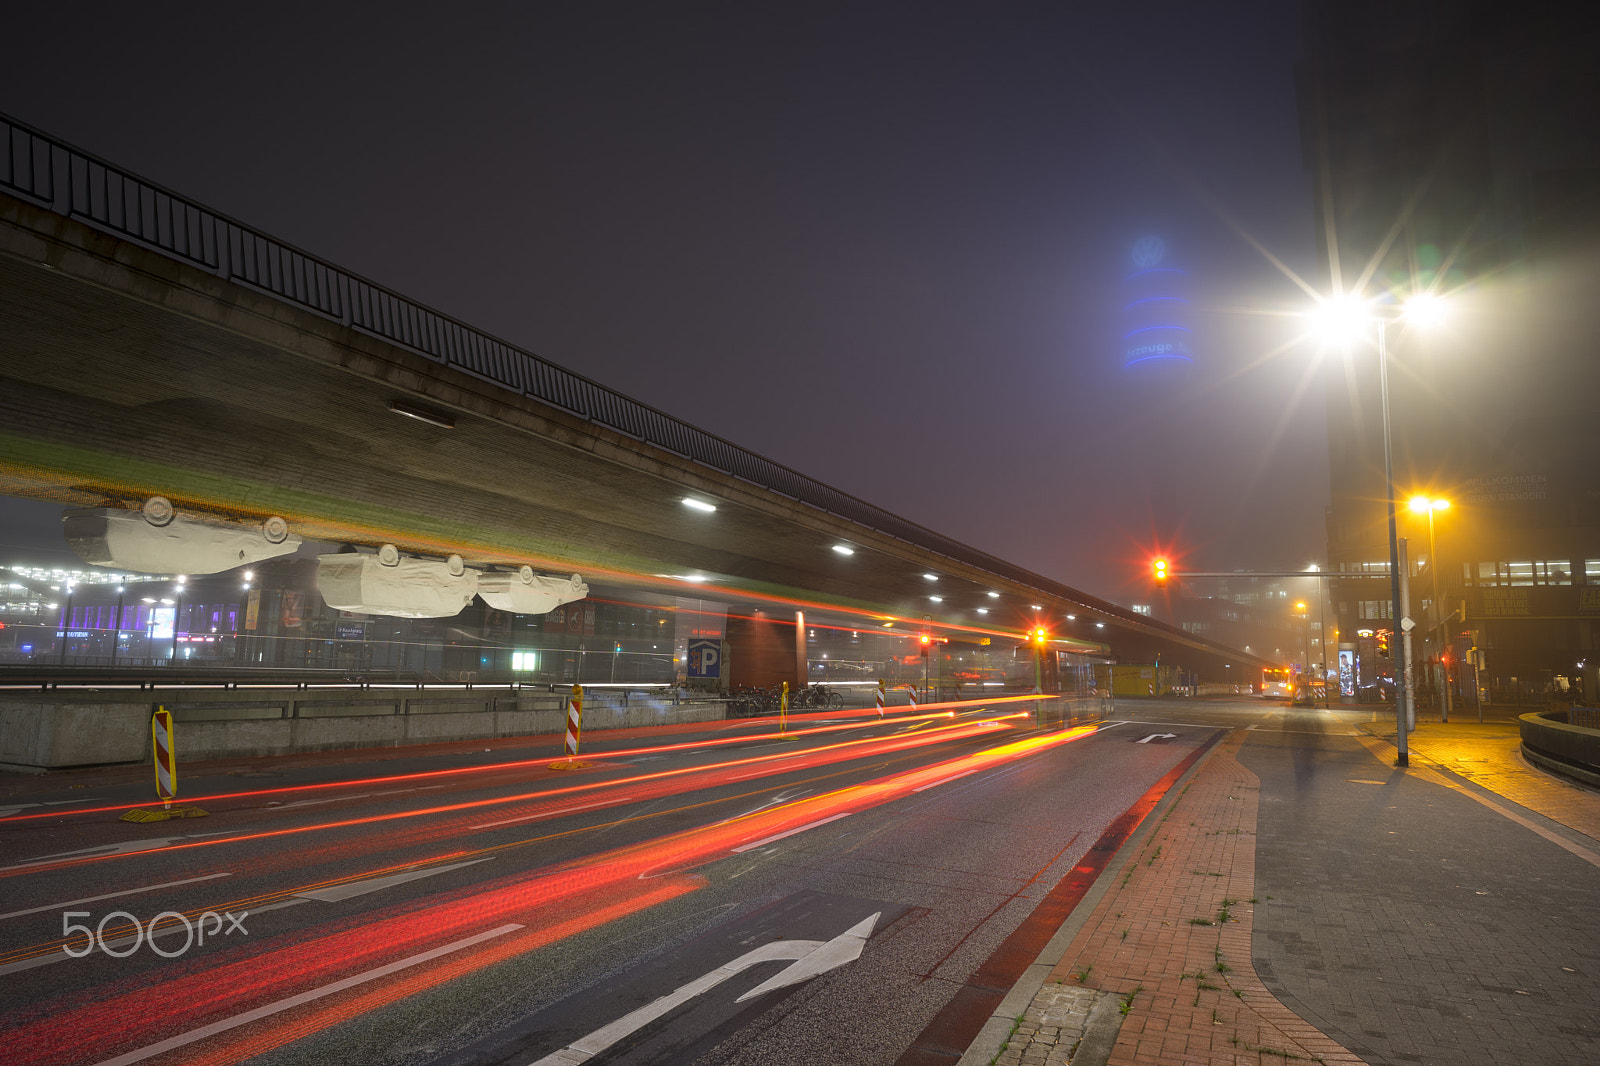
x,y
124,374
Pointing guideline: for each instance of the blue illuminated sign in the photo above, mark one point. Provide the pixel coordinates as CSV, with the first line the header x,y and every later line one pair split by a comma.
x,y
1148,251
1155,313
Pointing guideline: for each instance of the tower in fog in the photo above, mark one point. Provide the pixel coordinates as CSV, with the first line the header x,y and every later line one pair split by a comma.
x,y
1157,341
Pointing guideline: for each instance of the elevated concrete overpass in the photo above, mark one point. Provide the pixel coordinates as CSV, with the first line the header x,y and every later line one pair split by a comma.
x,y
150,346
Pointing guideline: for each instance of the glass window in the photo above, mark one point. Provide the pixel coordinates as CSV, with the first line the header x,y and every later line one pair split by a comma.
x,y
1591,571
1520,573
1554,572
1488,574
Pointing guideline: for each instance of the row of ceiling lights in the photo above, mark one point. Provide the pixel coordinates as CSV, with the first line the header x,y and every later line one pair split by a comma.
x,y
844,549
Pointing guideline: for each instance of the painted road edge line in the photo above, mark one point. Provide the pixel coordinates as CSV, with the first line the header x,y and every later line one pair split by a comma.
x,y
304,997
789,832
112,895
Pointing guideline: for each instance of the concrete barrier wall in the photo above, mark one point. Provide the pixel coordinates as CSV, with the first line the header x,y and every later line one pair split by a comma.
x,y
60,729
1549,740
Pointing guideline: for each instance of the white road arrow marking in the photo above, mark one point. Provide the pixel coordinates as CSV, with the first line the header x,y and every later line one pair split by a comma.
x,y
846,947
1157,736
127,847
811,957
113,895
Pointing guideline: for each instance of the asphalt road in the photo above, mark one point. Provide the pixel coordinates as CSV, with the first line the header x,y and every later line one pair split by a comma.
x,y
484,908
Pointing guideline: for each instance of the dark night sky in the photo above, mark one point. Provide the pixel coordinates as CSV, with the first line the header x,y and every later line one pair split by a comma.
x,y
880,243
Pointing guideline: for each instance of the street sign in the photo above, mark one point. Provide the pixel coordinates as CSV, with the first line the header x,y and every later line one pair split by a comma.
x,y
705,658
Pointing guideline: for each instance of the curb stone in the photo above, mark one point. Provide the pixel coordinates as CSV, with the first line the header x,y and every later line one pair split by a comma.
x,y
1009,1018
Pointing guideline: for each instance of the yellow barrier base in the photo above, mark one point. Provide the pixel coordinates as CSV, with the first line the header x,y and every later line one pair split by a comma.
x,y
161,814
570,764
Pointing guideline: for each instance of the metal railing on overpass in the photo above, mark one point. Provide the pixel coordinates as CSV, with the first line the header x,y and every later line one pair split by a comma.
x,y
37,167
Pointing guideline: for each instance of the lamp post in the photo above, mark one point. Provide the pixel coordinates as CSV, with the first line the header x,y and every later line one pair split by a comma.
x,y
1345,316
1424,505
1305,623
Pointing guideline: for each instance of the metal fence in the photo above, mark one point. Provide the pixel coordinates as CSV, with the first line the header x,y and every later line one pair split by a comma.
x,y
39,168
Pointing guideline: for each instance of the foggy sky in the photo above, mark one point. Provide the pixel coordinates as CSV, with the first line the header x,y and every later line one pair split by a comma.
x,y
879,243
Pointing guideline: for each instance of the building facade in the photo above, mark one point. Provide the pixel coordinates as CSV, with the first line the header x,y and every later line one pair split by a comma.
x,y
1455,148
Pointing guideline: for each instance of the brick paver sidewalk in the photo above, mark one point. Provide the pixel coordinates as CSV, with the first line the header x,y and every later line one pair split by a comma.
x,y
1172,937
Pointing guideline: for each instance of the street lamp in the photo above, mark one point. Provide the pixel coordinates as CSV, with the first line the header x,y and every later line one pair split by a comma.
x,y
1424,505
1345,318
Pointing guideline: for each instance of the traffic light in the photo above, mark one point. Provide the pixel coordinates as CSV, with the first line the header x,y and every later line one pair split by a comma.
x,y
1040,636
1160,567
926,641
1383,643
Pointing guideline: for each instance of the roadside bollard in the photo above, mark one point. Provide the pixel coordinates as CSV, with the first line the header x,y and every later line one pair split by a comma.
x,y
164,753
574,732
880,697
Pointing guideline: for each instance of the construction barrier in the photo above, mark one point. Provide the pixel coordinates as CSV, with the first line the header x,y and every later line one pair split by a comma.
x,y
574,732
164,754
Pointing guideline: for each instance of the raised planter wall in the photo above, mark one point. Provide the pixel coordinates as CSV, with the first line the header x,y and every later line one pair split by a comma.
x,y
1551,741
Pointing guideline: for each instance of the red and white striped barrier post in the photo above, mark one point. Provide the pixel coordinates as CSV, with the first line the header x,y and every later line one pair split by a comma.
x,y
166,758
164,753
574,732
574,721
911,693
880,697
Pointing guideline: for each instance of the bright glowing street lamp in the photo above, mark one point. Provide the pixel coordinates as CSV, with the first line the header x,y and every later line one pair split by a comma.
x,y
1345,318
1427,506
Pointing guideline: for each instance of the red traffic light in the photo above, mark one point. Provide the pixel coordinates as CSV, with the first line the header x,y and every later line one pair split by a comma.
x,y
1160,567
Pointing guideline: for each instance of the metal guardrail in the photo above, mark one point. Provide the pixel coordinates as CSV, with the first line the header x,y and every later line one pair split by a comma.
x,y
45,170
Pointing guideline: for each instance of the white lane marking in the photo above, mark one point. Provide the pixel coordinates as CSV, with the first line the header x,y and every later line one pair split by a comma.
x,y
790,832
7,812
127,847
335,893
339,799
952,777
1157,736
184,1039
112,895
811,958
541,814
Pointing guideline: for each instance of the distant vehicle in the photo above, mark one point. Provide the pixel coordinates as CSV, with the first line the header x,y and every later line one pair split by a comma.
x,y
1276,684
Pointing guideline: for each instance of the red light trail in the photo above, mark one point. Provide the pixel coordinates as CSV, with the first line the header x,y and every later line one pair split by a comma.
x,y
731,771
868,716
627,880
